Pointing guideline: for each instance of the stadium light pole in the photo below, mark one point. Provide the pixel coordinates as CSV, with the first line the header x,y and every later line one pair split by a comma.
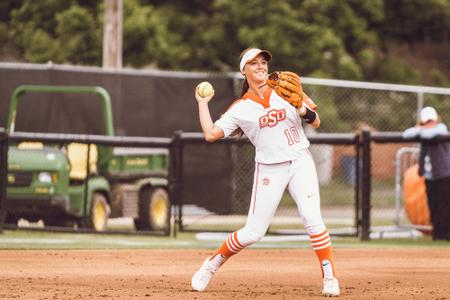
x,y
112,34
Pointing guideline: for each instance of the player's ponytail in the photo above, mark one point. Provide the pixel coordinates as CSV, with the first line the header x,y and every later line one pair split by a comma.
x,y
245,87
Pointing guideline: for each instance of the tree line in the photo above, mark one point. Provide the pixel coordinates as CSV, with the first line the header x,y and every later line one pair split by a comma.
x,y
345,39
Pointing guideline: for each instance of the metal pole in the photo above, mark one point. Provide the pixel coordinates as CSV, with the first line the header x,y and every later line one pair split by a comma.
x,y
3,172
173,184
419,103
357,185
86,188
366,185
179,174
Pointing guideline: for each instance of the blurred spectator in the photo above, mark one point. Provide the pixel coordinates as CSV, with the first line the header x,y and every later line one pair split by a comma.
x,y
434,165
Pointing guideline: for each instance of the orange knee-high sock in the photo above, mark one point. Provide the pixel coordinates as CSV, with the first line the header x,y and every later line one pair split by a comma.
x,y
321,244
230,247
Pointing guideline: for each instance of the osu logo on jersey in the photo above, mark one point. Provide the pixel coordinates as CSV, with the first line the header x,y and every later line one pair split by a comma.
x,y
272,118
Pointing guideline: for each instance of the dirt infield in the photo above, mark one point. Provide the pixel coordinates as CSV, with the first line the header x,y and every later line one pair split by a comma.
x,y
253,274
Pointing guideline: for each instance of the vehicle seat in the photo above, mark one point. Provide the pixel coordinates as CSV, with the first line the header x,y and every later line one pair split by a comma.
x,y
30,145
77,154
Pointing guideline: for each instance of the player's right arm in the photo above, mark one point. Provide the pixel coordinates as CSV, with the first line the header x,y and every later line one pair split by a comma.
x,y
210,131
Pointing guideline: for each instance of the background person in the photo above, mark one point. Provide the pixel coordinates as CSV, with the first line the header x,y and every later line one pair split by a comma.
x,y
282,160
434,165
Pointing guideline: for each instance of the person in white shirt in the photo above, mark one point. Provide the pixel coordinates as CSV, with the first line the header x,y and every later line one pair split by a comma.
x,y
434,165
282,160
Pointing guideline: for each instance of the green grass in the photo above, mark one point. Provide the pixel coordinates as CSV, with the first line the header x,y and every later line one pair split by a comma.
x,y
27,240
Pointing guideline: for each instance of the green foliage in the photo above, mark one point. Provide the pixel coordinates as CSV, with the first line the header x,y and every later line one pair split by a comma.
x,y
442,104
60,31
149,39
338,39
416,20
395,72
439,78
78,36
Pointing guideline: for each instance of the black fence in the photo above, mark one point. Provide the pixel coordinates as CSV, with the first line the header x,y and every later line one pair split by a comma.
x,y
99,140
208,208
204,202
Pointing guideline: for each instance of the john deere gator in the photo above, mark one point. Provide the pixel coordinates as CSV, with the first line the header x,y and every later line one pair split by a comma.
x,y
48,182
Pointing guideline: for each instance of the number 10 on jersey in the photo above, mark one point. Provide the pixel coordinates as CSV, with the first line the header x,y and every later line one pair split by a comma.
x,y
292,136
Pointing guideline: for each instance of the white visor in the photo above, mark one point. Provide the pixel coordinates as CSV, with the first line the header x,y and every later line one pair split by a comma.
x,y
428,113
252,54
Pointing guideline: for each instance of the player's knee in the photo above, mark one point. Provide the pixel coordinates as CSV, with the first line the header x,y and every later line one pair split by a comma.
x,y
315,228
252,235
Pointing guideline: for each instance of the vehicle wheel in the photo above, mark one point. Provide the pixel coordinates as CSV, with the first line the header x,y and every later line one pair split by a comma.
x,y
154,210
99,212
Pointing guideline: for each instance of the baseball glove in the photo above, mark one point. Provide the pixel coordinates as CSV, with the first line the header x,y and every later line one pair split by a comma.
x,y
288,86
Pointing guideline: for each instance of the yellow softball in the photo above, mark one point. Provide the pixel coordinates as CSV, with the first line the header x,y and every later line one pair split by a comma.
x,y
205,89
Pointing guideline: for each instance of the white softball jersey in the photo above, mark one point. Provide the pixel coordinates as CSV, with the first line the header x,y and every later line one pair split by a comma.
x,y
272,125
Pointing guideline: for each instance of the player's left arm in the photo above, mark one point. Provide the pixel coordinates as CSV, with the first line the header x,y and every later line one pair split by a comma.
x,y
310,116
316,123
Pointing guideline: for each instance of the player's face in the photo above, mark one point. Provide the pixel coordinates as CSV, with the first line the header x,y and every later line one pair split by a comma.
x,y
256,69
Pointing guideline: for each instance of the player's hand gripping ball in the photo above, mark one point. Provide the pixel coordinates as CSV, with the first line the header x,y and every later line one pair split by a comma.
x,y
205,89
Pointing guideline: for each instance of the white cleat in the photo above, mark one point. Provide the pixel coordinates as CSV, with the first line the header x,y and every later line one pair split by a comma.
x,y
202,277
330,287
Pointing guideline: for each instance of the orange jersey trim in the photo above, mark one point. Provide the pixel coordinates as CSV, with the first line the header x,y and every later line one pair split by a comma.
x,y
249,95
265,102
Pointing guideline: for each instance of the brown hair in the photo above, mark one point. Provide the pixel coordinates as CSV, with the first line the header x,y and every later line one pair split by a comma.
x,y
245,85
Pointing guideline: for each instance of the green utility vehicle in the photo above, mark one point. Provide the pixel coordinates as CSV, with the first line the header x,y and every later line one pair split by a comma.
x,y
48,182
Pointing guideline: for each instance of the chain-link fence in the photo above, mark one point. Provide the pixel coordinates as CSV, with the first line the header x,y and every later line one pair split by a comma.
x,y
344,107
381,108
336,163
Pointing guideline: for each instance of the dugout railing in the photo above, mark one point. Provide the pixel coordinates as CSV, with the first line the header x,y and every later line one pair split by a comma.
x,y
99,140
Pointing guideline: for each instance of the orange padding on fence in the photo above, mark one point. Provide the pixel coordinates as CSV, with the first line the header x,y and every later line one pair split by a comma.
x,y
416,206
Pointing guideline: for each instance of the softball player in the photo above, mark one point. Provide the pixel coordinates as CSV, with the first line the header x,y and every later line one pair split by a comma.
x,y
282,160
